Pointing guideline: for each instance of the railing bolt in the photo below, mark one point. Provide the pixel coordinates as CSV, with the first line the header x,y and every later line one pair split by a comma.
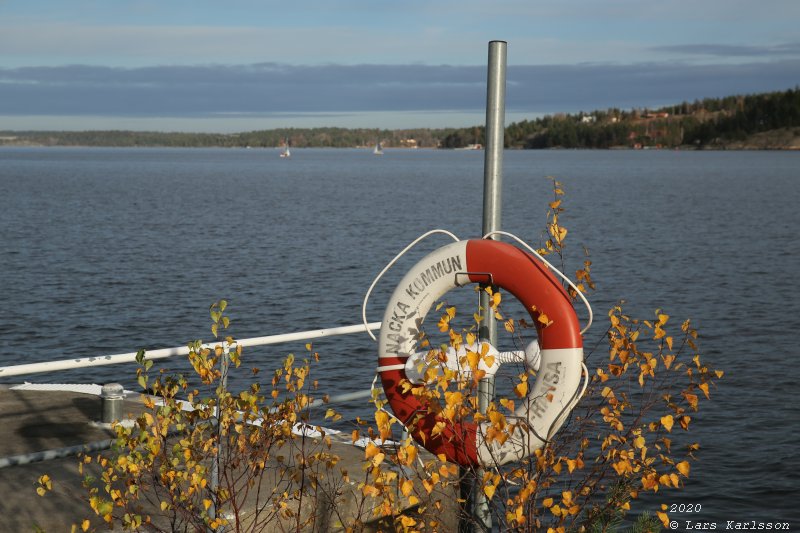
x,y
111,398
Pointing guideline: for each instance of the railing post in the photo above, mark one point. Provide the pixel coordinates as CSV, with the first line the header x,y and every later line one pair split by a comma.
x,y
214,509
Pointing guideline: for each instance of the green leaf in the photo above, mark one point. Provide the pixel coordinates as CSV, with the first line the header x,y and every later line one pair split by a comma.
x,y
140,356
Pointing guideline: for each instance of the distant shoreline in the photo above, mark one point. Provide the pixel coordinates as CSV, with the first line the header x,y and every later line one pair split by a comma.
x,y
737,147
768,121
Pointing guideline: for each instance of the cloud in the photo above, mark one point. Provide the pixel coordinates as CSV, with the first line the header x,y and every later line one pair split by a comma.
x,y
726,50
264,89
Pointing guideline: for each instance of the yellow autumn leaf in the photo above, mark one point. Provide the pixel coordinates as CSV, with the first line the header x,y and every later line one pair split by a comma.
x,y
85,525
371,450
704,387
406,487
571,463
691,399
370,491
547,502
508,404
473,358
407,521
381,418
489,491
667,422
495,300
663,517
521,389
683,467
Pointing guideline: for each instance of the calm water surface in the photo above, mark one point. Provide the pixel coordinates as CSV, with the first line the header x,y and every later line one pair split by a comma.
x,y
110,250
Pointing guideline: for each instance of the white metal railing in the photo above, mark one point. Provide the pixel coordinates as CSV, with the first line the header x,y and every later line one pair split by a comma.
x,y
85,362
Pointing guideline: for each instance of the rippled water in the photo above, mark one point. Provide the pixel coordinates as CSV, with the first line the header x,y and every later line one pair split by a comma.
x,y
110,250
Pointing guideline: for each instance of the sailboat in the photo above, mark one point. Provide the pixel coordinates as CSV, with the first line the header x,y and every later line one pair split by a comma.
x,y
286,152
378,149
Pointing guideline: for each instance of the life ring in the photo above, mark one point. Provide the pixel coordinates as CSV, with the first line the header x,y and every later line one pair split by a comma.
x,y
550,398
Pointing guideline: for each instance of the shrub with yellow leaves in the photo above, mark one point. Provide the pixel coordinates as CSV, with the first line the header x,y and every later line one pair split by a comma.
x,y
200,459
195,461
627,436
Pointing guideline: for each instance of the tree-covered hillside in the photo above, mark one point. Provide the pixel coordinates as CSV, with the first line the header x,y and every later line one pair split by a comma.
x,y
708,122
712,122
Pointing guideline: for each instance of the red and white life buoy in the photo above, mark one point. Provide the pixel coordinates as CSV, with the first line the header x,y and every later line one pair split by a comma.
x,y
549,400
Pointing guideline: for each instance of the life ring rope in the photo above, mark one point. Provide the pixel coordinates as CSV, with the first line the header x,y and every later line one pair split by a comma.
x,y
427,234
390,264
554,269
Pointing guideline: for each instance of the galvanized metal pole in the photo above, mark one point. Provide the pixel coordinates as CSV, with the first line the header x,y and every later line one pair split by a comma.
x,y
493,171
480,516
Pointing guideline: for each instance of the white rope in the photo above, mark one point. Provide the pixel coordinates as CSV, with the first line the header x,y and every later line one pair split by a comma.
x,y
388,266
571,405
551,267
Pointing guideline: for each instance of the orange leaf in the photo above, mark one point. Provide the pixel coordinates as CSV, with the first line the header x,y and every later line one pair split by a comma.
x,y
371,450
683,467
667,422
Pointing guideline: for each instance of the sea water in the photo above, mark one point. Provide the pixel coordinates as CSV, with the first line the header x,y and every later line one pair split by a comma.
x,y
106,251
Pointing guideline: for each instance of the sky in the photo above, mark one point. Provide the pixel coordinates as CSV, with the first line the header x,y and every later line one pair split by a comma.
x,y
243,65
